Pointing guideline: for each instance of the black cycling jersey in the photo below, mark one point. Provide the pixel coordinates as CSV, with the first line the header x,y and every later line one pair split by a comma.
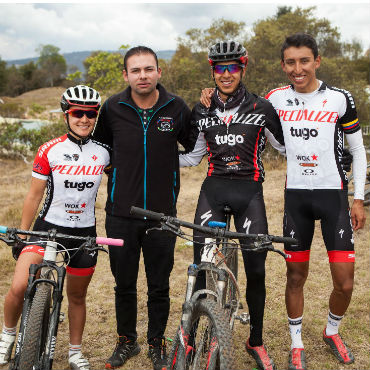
x,y
235,143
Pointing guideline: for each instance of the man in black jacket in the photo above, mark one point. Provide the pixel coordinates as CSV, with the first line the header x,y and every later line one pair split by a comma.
x,y
142,124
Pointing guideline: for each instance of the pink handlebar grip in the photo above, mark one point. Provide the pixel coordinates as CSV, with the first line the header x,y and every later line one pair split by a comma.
x,y
109,241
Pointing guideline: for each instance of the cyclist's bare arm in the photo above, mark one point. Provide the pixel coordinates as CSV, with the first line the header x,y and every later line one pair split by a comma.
x,y
32,202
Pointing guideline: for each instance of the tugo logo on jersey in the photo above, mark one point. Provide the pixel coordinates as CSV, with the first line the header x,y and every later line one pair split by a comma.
x,y
306,133
229,139
80,186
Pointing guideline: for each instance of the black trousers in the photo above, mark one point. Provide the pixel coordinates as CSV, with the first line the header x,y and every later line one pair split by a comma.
x,y
158,252
245,198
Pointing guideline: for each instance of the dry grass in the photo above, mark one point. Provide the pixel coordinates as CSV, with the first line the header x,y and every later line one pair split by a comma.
x,y
99,337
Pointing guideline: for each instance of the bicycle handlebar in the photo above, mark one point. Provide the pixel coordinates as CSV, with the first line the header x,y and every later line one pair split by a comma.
x,y
52,234
217,232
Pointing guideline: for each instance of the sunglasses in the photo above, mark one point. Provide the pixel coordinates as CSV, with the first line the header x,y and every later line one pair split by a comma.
x,y
79,113
232,68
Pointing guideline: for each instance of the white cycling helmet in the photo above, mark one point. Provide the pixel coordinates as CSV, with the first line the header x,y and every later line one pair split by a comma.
x,y
80,95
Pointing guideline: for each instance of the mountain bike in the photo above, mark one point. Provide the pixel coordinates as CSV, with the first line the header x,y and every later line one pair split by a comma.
x,y
367,186
204,337
36,340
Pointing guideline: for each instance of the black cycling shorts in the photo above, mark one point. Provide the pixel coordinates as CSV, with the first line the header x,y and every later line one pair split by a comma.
x,y
330,206
244,197
82,263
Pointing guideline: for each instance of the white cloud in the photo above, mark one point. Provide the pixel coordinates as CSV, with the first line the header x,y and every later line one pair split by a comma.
x,y
87,26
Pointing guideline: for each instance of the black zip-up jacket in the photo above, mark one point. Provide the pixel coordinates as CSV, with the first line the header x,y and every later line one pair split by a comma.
x,y
145,164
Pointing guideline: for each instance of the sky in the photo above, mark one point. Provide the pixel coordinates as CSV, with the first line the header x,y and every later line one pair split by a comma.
x,y
80,26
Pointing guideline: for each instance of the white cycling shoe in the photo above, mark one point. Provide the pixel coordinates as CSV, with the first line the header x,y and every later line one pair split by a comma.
x,y
6,346
78,362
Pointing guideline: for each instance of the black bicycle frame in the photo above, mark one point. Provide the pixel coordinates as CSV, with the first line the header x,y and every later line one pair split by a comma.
x,y
57,297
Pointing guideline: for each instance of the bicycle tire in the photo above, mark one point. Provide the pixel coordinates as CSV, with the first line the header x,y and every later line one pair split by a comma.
x,y
176,359
229,299
212,337
36,330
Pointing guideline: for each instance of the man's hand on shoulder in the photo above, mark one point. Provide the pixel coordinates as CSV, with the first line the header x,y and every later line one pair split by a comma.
x,y
206,95
358,215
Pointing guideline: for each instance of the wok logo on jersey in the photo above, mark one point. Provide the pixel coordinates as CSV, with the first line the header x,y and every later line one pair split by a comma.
x,y
307,158
229,139
165,124
80,186
305,133
75,208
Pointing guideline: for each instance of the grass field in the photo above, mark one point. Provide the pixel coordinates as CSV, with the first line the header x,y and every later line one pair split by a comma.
x,y
99,337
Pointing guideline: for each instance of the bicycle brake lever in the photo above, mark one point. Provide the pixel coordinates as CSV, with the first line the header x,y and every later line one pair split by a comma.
x,y
97,248
165,227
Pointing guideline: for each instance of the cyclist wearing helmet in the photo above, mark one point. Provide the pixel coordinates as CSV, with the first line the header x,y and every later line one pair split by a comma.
x,y
233,132
70,167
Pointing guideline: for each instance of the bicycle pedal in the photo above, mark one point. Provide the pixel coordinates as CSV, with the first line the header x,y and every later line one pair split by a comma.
x,y
244,318
62,316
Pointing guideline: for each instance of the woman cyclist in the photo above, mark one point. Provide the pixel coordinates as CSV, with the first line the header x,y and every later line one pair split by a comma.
x,y
70,168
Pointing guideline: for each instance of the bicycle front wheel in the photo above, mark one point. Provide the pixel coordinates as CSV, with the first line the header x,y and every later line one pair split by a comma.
x,y
176,359
210,338
35,334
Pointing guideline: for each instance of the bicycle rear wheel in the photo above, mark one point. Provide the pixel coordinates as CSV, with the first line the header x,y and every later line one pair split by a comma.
x,y
35,334
210,336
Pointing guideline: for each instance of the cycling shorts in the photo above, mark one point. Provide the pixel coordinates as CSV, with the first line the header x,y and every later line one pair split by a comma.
x,y
81,263
303,207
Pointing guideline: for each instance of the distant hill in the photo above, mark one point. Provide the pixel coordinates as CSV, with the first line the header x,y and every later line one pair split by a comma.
x,y
76,58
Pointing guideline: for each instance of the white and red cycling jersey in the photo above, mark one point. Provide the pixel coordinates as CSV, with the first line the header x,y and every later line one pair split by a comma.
x,y
73,170
314,125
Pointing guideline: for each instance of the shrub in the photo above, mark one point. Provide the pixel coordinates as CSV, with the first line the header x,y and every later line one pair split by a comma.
x,y
12,110
17,142
36,108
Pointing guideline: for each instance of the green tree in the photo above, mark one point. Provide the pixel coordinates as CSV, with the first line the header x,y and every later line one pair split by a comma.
x,y
104,71
53,63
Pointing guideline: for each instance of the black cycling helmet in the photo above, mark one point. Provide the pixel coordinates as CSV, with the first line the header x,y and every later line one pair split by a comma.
x,y
224,51
80,95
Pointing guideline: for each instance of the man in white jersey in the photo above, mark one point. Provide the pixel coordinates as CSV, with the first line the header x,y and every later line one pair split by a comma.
x,y
314,118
